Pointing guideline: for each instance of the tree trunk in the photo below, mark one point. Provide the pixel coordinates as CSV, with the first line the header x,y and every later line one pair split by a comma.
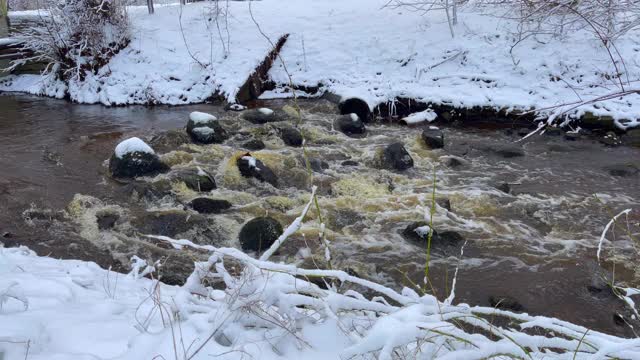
x,y
149,6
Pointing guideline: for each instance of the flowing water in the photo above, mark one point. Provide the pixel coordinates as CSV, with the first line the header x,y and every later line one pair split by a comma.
x,y
535,243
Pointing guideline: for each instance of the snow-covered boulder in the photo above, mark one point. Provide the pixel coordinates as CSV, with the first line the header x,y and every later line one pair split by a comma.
x,y
441,242
433,138
396,157
252,167
261,116
205,129
356,106
133,157
260,233
416,118
350,124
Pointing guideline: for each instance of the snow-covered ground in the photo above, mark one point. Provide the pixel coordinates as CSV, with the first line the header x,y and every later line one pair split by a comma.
x,y
354,47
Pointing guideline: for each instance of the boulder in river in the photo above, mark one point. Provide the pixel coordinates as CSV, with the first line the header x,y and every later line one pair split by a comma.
x,y
198,180
622,170
254,145
433,138
133,157
260,116
632,137
507,151
259,234
205,129
356,106
396,157
291,136
209,206
106,220
350,124
169,140
418,233
168,223
252,167
318,165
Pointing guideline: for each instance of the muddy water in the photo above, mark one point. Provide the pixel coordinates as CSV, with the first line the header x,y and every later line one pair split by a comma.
x,y
535,243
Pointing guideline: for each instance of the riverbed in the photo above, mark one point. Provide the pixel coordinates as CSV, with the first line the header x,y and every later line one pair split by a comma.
x,y
530,222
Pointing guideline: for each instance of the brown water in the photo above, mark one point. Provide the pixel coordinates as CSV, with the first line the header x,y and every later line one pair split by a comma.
x,y
536,244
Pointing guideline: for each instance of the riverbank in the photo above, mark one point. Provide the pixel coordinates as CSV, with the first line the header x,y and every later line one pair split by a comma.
x,y
175,58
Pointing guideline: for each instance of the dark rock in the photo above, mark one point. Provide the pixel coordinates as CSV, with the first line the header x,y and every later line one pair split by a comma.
x,y
610,139
396,157
508,151
207,132
594,122
356,106
260,116
632,137
453,162
433,138
318,165
136,164
444,203
291,136
254,145
106,220
259,234
350,125
505,303
343,217
418,233
572,136
552,131
198,180
349,163
504,187
167,223
169,140
619,320
209,206
252,167
622,170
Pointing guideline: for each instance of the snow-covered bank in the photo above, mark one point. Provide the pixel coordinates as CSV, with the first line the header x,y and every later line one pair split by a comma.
x,y
67,309
354,48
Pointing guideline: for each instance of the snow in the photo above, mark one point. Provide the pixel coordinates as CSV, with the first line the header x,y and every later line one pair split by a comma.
x,y
422,116
423,231
9,41
354,117
201,118
132,145
411,55
265,111
203,130
251,160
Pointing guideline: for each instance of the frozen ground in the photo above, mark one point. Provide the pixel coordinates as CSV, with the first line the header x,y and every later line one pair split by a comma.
x,y
353,48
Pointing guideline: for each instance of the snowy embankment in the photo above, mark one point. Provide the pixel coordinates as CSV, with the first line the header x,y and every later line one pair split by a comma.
x,y
355,48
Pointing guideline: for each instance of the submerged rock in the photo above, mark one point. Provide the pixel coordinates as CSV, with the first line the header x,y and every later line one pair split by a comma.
x,y
260,116
254,145
350,125
349,163
198,180
318,165
632,137
418,233
168,223
505,302
396,157
504,187
209,206
252,167
622,170
452,161
610,139
291,136
507,151
356,106
259,234
106,220
205,129
433,138
133,157
169,140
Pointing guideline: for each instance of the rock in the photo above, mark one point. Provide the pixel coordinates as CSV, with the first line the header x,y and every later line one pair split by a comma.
x,y
622,170
508,151
591,121
504,187
343,217
209,206
205,129
632,137
198,180
396,157
350,125
254,145
169,140
356,106
505,303
259,234
318,165
453,162
252,167
610,139
349,163
619,320
444,203
552,131
291,136
418,233
572,136
167,223
106,220
133,158
433,138
260,116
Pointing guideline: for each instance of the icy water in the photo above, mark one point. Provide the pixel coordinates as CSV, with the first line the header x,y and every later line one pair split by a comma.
x,y
535,243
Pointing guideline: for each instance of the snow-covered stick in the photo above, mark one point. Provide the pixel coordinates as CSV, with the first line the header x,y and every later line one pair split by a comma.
x,y
291,229
606,228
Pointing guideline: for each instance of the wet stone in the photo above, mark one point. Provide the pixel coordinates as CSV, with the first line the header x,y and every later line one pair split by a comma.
x,y
453,162
168,223
254,145
210,132
343,217
135,164
291,136
350,125
508,151
106,221
169,140
252,167
632,137
396,157
318,165
622,170
504,187
610,139
261,116
259,234
433,138
418,233
209,206
444,203
198,180
356,106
